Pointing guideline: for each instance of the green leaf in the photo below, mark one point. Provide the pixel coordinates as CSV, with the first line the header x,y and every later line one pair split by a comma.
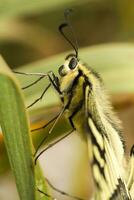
x,y
14,123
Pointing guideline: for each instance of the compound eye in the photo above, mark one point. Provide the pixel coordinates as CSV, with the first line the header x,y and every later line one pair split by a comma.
x,y
73,63
61,70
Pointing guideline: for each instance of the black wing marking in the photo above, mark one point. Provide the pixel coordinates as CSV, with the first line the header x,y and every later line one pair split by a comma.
x,y
109,185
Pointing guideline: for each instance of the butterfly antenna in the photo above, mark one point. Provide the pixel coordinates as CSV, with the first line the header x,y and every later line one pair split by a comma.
x,y
68,24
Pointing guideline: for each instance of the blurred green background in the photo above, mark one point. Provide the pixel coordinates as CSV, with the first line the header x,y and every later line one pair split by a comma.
x,y
29,30
30,41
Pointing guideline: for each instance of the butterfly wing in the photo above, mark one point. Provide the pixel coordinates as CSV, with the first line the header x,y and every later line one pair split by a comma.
x,y
109,185
130,174
106,170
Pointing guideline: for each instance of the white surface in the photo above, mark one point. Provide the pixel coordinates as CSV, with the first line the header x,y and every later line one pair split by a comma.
x,y
66,166
8,188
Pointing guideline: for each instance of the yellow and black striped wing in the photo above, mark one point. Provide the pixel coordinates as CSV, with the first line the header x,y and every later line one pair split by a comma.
x,y
108,181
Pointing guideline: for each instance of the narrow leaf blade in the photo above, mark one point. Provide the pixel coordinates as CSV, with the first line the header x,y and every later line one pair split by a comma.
x,y
14,124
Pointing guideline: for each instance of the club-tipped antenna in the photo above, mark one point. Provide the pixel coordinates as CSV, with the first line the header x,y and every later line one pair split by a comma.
x,y
68,24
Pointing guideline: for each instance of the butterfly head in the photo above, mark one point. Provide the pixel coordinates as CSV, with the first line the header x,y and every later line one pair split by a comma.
x,y
70,65
68,71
